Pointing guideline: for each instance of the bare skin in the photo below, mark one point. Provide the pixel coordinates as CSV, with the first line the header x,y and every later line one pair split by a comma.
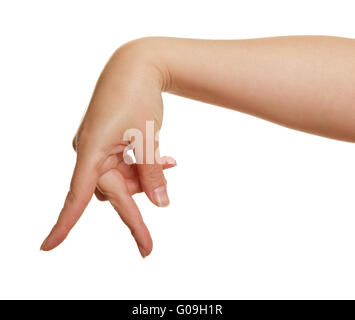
x,y
306,83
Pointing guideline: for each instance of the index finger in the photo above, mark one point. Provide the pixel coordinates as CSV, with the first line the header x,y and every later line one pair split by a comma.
x,y
82,187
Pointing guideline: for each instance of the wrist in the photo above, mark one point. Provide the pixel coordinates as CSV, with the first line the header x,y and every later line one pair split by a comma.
x,y
147,56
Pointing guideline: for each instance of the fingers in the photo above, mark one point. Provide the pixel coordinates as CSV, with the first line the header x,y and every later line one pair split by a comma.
x,y
151,176
168,162
112,185
153,183
134,185
130,174
82,187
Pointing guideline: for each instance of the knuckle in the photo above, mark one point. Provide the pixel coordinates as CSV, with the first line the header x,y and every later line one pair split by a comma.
x,y
64,226
72,199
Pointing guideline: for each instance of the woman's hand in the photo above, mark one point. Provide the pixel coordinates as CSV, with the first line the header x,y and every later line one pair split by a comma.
x,y
127,95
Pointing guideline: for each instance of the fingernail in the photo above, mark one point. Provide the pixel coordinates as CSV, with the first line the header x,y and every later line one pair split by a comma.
x,y
170,160
160,196
43,245
142,251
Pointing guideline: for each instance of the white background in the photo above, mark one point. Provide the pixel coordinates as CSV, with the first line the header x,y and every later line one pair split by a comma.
x,y
257,210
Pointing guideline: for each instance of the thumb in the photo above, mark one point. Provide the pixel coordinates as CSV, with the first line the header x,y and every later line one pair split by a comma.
x,y
82,187
151,176
153,183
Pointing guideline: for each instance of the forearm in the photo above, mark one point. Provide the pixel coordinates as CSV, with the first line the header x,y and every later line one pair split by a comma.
x,y
306,83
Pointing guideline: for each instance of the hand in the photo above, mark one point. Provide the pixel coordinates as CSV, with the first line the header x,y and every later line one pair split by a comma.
x,y
128,94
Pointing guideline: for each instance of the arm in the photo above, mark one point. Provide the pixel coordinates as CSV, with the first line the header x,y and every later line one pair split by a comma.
x,y
306,83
